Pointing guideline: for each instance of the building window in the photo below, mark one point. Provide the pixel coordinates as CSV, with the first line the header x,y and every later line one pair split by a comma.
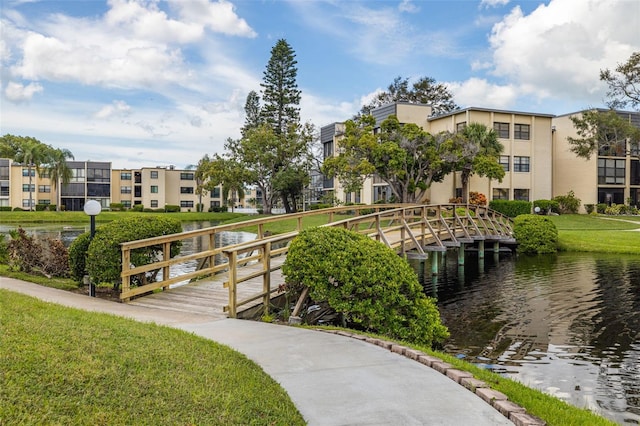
x,y
25,203
154,174
186,176
154,189
500,193
504,162
520,164
154,204
25,172
521,194
215,193
77,175
186,203
126,204
125,175
461,126
328,149
28,188
611,171
45,174
4,189
215,203
99,175
186,189
44,188
521,131
501,129
125,190
44,201
635,172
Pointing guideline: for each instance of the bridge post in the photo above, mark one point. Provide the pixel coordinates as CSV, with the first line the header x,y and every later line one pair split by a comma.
x,y
461,254
481,249
496,247
434,263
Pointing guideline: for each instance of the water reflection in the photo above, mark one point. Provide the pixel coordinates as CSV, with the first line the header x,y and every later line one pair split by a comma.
x,y
567,324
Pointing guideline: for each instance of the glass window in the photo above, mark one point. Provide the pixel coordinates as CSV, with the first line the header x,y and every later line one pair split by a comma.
x,y
215,203
186,176
186,190
186,203
154,174
4,172
77,175
635,172
25,172
44,201
521,194
521,131
45,174
154,189
216,192
126,203
154,204
520,164
611,171
500,193
44,188
28,188
502,130
25,203
98,190
125,175
504,162
4,189
328,149
125,190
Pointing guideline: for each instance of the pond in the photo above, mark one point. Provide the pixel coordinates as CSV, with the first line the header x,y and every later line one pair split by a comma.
x,y
567,324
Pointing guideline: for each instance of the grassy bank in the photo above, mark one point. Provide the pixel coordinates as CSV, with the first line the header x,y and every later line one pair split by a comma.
x,y
598,234
66,366
20,217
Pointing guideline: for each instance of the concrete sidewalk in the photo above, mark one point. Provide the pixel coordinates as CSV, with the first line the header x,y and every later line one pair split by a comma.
x,y
332,379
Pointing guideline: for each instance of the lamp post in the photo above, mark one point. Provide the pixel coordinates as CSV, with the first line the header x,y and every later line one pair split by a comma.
x,y
92,208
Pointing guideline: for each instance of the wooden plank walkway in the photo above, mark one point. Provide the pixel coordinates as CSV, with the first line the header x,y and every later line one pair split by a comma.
x,y
209,296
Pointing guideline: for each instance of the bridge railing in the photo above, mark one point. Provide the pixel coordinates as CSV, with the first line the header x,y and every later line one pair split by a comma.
x,y
211,259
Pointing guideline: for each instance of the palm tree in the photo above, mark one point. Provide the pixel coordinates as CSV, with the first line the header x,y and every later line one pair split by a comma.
x,y
30,153
59,171
233,188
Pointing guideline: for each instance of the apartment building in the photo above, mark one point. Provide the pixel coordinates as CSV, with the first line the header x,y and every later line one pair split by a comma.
x,y
527,157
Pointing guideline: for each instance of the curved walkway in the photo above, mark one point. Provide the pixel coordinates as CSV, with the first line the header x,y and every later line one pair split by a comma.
x,y
332,379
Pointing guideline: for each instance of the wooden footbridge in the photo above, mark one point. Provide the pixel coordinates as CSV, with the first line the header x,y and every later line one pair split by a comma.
x,y
229,278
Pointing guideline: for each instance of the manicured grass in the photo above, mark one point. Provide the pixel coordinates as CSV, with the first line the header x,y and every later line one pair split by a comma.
x,y
67,366
598,234
54,282
19,217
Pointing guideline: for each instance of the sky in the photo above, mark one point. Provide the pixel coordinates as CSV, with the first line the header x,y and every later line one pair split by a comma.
x,y
145,83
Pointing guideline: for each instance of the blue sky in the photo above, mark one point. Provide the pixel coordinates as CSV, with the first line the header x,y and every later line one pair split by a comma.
x,y
149,82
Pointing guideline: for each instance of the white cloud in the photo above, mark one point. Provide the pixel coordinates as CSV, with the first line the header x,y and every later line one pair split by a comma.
x,y
219,16
481,93
558,49
408,6
17,92
493,3
116,108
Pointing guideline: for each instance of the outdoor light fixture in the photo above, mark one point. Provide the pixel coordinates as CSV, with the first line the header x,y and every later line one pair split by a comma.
x,y
92,208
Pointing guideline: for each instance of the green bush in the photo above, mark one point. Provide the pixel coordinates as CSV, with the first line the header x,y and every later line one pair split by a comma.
x,y
568,204
365,281
535,234
116,207
137,208
4,249
615,209
5,208
104,256
601,207
18,209
589,208
78,255
511,208
547,206
218,209
41,207
170,208
319,206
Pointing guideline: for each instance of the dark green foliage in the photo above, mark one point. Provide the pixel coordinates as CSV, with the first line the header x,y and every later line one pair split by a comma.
x,y
601,207
5,208
547,206
568,204
104,257
365,281
218,209
511,208
78,255
137,208
535,234
117,207
4,250
18,209
319,206
589,208
170,208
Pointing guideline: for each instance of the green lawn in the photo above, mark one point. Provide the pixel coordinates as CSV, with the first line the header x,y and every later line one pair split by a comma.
x,y
66,366
601,234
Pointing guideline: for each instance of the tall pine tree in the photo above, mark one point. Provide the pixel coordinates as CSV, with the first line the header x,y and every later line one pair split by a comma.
x,y
280,92
252,112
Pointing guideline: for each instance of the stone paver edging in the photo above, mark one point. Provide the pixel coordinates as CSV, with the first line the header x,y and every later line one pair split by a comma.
x,y
497,400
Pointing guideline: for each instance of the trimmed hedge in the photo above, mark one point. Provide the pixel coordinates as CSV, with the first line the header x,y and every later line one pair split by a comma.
x,y
78,255
104,256
547,206
535,234
365,281
511,208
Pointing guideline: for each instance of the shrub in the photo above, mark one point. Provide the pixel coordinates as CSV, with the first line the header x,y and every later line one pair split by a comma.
x,y
365,281
47,256
5,208
511,208
104,256
589,208
78,255
547,206
455,200
477,198
199,207
137,208
53,207
170,208
601,207
116,207
615,209
319,206
18,209
4,249
535,234
568,203
148,210
41,207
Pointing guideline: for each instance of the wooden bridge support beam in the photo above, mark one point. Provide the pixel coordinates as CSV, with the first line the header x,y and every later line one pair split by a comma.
x,y
461,254
481,249
434,263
